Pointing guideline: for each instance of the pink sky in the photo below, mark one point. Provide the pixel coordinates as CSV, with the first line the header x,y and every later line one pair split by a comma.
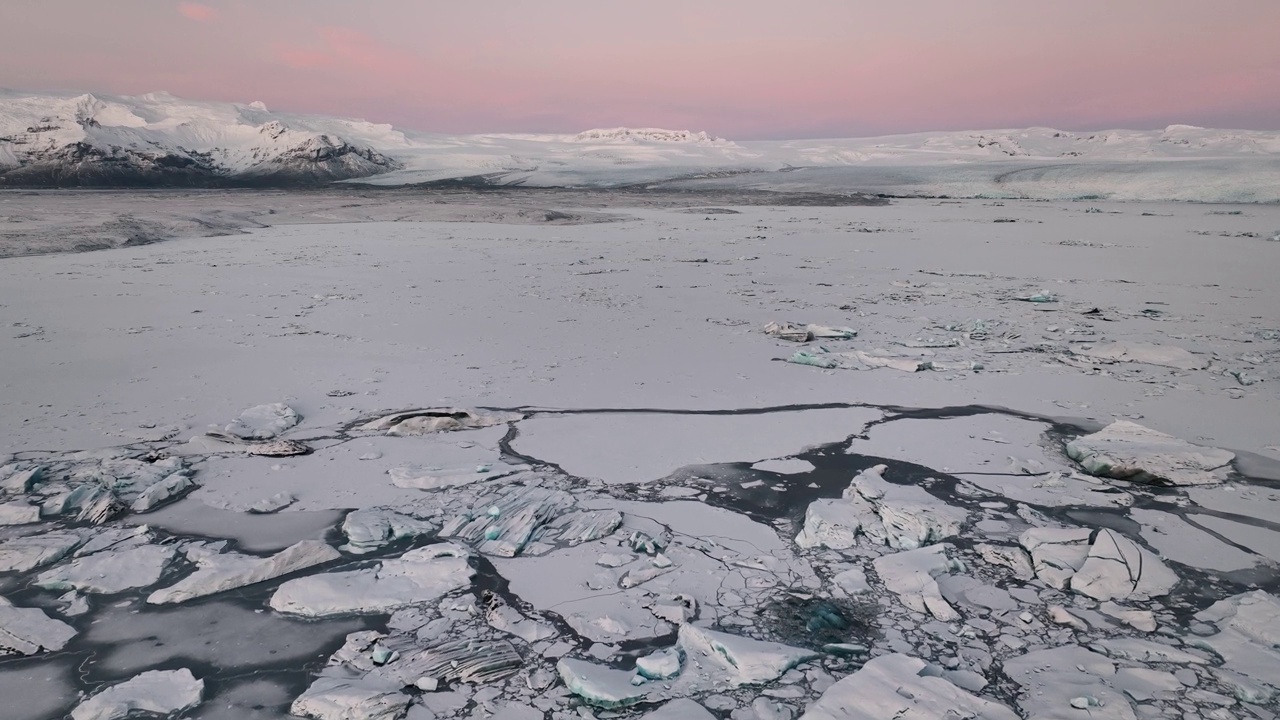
x,y
737,68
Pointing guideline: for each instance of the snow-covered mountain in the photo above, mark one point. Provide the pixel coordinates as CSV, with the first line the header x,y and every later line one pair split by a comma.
x,y
157,139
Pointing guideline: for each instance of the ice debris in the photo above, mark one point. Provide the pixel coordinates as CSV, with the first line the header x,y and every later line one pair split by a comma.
x,y
418,576
660,664
218,572
162,692
263,422
912,576
895,686
434,420
1125,450
796,332
503,523
27,631
275,503
600,686
110,571
900,516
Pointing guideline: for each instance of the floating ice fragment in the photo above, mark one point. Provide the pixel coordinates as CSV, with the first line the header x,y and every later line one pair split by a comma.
x,y
163,692
416,478
110,572
33,551
598,685
660,664
744,660
433,420
1128,451
263,422
682,709
27,631
19,513
418,576
171,487
332,698
911,575
370,530
858,360
1163,355
804,333
892,686
220,572
1118,569
275,503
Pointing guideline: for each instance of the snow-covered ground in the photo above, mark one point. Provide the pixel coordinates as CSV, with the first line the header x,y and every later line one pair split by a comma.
x,y
1001,458
159,139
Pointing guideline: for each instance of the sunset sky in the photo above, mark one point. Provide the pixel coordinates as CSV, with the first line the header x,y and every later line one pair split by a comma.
x,y
742,69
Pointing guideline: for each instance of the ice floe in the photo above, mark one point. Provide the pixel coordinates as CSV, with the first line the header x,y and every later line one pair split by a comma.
x,y
796,332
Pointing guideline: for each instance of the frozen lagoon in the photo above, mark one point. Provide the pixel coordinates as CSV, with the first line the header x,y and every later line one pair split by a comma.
x,y
632,353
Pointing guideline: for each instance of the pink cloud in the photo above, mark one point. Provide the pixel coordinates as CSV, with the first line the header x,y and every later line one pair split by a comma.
x,y
197,12
340,47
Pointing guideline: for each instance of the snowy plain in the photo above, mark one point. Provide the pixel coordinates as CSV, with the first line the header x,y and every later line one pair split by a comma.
x,y
736,524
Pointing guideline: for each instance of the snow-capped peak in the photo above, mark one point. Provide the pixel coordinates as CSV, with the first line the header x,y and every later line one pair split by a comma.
x,y
624,134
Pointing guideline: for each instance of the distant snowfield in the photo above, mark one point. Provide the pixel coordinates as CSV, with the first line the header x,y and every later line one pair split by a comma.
x,y
156,138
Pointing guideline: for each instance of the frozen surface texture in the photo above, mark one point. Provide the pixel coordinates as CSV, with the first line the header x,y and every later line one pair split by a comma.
x,y
552,468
